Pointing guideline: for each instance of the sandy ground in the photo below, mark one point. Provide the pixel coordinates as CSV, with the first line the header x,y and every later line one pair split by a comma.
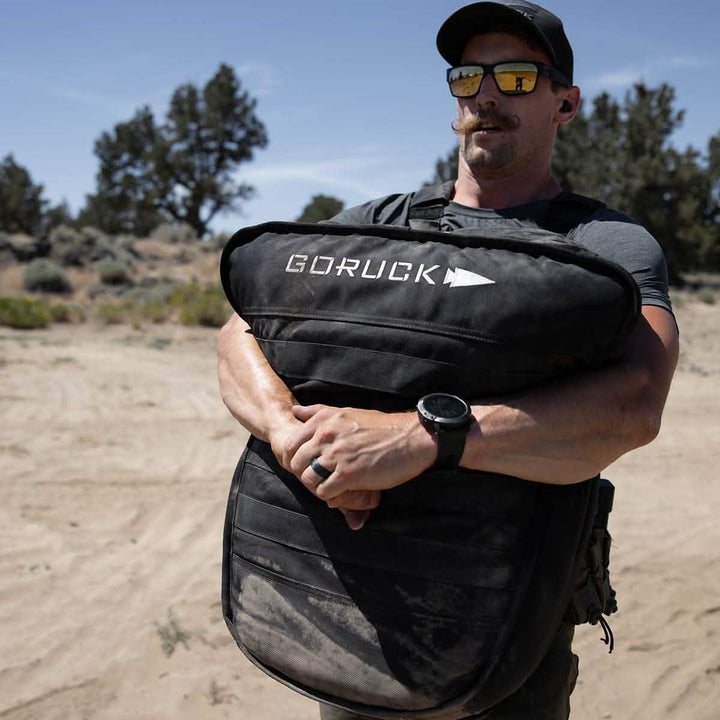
x,y
115,457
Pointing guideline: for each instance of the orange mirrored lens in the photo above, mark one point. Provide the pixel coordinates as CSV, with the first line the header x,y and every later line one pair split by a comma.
x,y
516,79
466,85
511,78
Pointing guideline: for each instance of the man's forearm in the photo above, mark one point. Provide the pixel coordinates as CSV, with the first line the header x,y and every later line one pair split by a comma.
x,y
562,433
251,390
262,403
571,430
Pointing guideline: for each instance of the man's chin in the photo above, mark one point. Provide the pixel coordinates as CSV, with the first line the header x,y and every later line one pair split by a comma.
x,y
481,158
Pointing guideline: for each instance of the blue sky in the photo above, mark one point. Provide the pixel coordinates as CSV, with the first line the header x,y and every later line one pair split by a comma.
x,y
352,93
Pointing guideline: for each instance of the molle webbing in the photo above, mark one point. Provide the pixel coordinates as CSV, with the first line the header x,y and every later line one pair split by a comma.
x,y
446,601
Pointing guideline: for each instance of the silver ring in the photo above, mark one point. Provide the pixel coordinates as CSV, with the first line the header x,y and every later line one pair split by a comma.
x,y
319,469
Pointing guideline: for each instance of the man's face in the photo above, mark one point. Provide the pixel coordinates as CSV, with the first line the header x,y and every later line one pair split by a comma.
x,y
518,131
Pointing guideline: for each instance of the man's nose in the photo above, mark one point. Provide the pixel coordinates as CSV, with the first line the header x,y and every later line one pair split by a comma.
x,y
488,92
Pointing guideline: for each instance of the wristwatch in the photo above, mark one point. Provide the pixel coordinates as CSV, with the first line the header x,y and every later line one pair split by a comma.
x,y
447,417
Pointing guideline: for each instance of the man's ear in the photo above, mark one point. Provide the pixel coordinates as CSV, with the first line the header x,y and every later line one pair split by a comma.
x,y
569,105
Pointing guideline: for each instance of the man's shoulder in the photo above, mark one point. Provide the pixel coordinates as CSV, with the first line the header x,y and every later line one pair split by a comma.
x,y
604,213
582,210
387,210
395,209
617,237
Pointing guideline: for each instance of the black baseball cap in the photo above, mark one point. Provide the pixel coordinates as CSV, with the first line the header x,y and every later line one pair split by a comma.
x,y
469,20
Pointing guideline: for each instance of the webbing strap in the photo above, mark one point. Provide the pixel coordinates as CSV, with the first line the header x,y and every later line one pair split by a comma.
x,y
564,212
428,204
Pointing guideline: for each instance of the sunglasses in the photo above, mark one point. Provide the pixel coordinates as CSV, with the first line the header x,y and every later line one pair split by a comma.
x,y
514,77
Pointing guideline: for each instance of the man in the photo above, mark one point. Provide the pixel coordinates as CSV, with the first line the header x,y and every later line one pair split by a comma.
x,y
512,78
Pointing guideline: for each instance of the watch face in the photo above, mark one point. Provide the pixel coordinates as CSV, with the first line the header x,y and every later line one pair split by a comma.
x,y
445,407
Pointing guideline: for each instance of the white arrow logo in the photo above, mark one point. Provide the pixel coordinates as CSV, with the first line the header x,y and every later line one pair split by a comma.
x,y
465,278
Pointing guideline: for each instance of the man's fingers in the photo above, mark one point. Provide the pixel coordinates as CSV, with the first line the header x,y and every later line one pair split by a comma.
x,y
305,412
355,518
279,440
356,500
294,442
319,469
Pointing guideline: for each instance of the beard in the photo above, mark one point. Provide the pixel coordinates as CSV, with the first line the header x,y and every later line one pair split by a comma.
x,y
497,155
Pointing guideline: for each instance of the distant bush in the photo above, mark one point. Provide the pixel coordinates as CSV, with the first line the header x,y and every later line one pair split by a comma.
x,y
175,234
207,307
45,276
113,272
66,313
92,235
154,290
21,247
97,290
23,313
112,313
152,312
66,246
64,235
151,303
99,246
707,296
216,242
78,248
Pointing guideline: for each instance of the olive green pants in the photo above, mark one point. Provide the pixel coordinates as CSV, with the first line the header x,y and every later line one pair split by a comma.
x,y
544,696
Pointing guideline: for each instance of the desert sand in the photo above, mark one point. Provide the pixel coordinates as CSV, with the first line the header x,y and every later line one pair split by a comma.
x,y
115,458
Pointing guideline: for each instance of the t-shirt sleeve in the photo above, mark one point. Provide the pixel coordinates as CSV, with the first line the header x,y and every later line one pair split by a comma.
x,y
632,247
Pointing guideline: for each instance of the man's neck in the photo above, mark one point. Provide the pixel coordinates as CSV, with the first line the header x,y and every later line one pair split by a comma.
x,y
499,192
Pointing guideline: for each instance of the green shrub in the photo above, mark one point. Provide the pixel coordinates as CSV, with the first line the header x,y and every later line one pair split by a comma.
x,y
175,234
150,290
45,276
171,634
113,272
153,312
64,235
106,248
112,313
66,313
75,248
150,301
707,296
23,313
92,235
66,245
183,293
207,307
21,247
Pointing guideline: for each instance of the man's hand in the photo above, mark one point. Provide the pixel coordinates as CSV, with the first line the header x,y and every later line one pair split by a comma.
x,y
262,403
366,451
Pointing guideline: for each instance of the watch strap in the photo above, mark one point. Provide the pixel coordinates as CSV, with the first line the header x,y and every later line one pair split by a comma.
x,y
451,445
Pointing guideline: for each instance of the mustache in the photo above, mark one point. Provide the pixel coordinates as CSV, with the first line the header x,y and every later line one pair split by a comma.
x,y
473,123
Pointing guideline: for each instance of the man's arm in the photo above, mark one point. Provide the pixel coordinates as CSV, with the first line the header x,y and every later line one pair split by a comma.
x,y
561,433
262,403
257,398
571,430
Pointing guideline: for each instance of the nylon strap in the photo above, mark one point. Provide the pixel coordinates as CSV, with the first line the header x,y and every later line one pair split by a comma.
x,y
565,212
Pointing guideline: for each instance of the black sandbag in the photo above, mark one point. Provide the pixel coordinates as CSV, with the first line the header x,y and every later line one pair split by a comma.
x,y
448,598
385,309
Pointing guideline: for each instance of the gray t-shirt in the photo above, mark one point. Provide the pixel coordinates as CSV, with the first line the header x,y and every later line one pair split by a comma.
x,y
607,233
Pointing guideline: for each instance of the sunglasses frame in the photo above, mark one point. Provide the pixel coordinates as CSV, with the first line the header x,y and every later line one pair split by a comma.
x,y
543,70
